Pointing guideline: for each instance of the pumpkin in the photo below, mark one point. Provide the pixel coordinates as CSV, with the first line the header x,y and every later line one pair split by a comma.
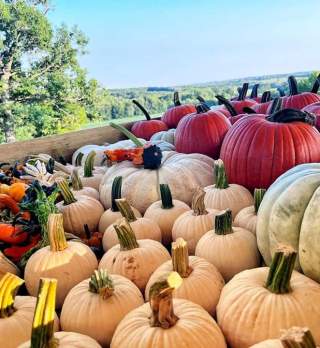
x,y
247,217
7,266
257,149
297,100
91,177
145,129
193,224
167,136
143,227
16,313
256,304
79,190
314,109
264,104
174,114
68,262
289,214
4,189
17,190
201,132
99,296
43,334
140,186
78,211
135,260
165,212
112,214
201,281
223,195
167,322
231,249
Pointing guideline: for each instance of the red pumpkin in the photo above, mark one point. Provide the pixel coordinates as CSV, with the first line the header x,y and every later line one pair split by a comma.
x,y
262,107
296,100
258,149
174,114
314,109
145,129
202,132
219,108
233,115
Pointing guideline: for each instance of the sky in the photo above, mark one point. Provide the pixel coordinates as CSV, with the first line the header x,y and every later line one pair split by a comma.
x,y
135,43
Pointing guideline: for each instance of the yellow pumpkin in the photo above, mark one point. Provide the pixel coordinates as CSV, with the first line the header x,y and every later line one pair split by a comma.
x,y
231,249
7,266
193,224
79,190
202,283
99,296
68,262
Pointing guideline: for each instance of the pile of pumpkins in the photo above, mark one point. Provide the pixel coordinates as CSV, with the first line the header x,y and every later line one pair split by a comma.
x,y
213,249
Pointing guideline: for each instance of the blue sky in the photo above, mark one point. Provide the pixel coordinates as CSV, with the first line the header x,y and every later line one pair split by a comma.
x,y
174,42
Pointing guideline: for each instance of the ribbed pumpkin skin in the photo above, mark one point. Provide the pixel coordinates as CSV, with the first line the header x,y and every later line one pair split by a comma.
x,y
262,108
201,133
173,115
89,314
255,151
167,136
248,313
146,129
247,219
268,344
238,105
315,109
299,101
17,328
87,191
195,328
203,286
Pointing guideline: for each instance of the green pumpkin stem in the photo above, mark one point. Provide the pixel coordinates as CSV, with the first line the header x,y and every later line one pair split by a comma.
x,y
223,223
254,91
78,160
222,100
243,91
176,99
76,181
125,209
144,111
166,197
65,191
257,197
101,283
293,86
116,192
57,237
180,258
127,133
220,175
89,165
298,337
9,286
281,269
126,236
197,204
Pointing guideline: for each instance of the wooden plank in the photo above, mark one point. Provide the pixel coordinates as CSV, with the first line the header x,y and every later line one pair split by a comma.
x,y
62,144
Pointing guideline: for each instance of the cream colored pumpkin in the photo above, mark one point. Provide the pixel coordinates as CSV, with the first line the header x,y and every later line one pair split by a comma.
x,y
193,224
91,176
79,190
230,249
268,344
104,300
202,283
135,260
256,304
165,212
7,266
182,172
68,262
167,136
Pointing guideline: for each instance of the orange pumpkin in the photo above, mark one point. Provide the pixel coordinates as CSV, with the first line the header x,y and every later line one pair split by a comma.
x,y
17,191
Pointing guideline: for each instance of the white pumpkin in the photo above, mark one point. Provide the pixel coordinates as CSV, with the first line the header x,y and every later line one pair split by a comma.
x,y
167,136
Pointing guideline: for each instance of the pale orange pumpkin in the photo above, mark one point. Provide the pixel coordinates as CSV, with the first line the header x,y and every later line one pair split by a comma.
x,y
193,224
202,283
256,304
79,190
91,177
231,249
68,262
135,260
99,297
7,266
165,212
167,322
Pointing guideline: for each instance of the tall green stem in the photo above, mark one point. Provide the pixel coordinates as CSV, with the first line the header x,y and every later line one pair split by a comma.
x,y
76,181
257,197
67,195
57,237
223,223
116,192
166,197
126,236
220,175
9,286
180,258
125,209
127,133
89,165
101,283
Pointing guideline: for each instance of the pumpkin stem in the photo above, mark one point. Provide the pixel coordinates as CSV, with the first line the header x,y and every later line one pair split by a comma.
x,y
197,204
248,110
100,283
254,91
180,258
293,85
166,196
116,192
243,91
223,223
281,92
220,175
125,209
298,337
276,105
76,181
79,159
227,105
57,237
67,195
202,108
88,165
176,99
87,232
281,269
127,133
9,286
266,96
292,115
43,320
257,197
145,112
161,304
316,85
201,99
126,236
